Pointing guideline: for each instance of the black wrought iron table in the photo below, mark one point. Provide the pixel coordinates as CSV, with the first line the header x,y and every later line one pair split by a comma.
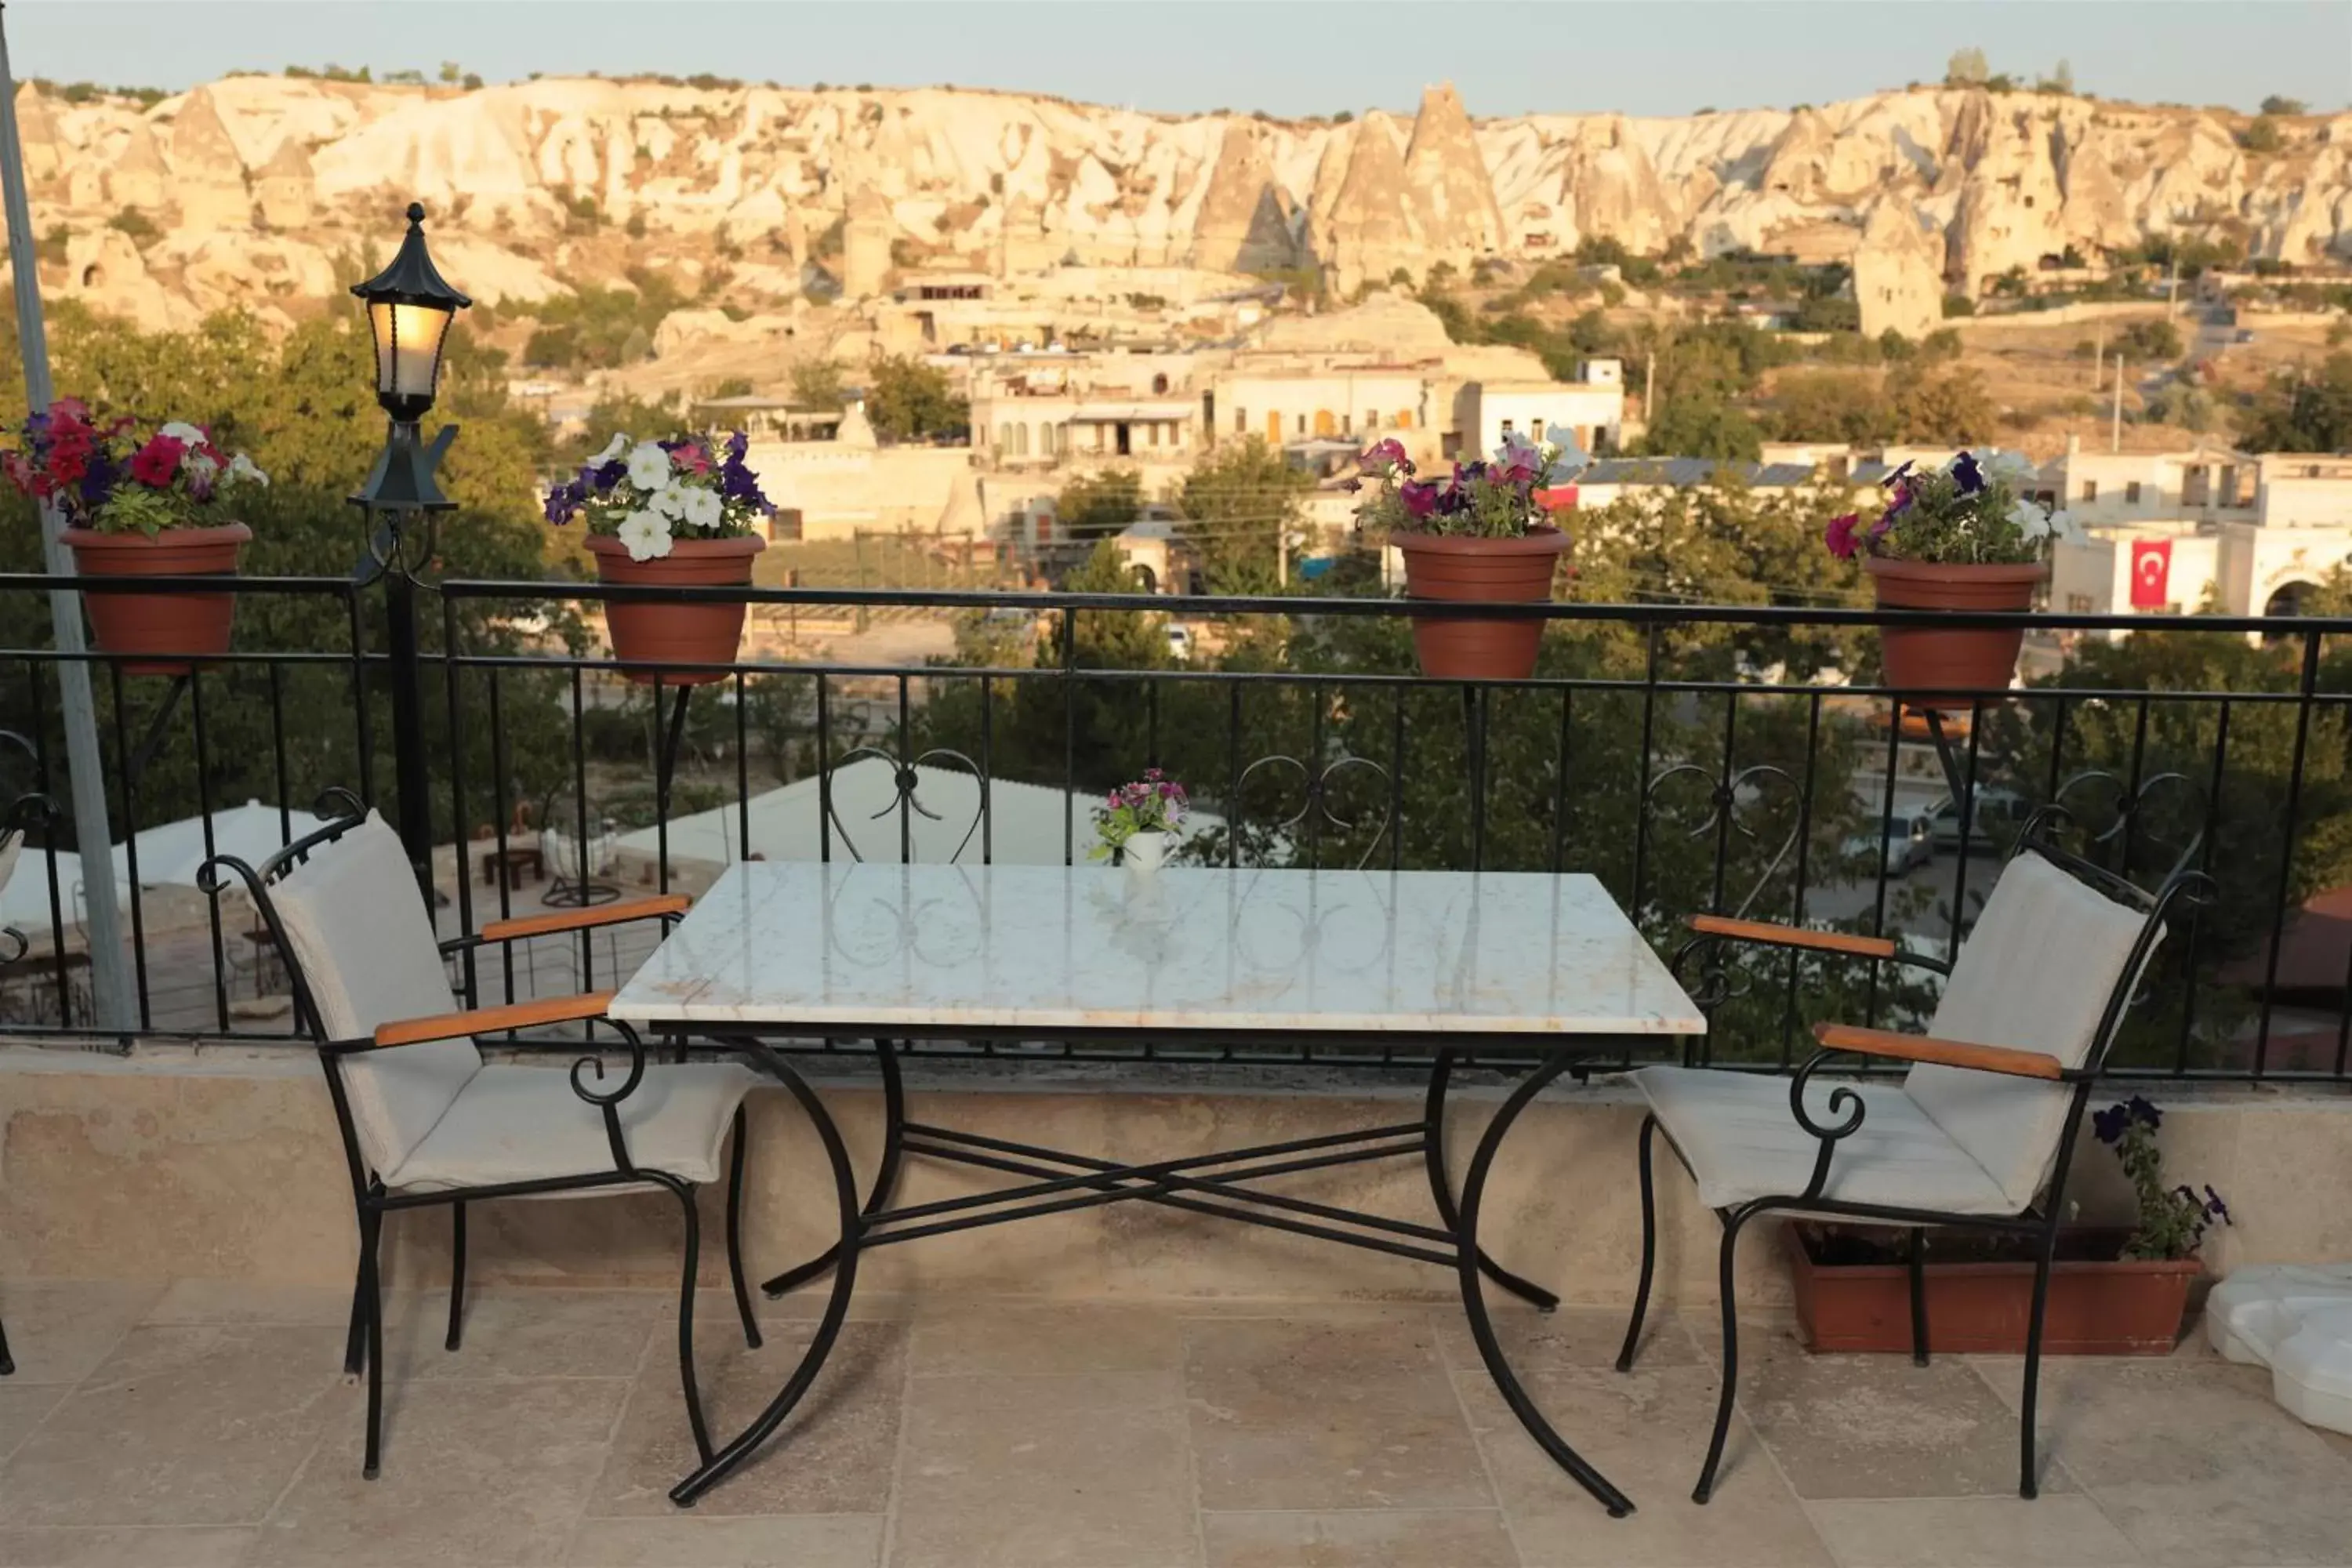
x,y
1544,971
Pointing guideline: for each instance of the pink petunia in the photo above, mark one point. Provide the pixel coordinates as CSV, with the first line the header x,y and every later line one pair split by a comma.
x,y
154,464
1420,500
1839,536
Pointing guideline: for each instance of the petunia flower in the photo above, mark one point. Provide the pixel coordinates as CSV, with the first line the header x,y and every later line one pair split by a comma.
x,y
2109,1125
1968,474
646,535
1841,536
649,465
154,464
243,470
2031,519
612,449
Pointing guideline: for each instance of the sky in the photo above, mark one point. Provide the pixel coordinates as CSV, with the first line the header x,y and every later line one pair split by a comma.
x,y
1288,57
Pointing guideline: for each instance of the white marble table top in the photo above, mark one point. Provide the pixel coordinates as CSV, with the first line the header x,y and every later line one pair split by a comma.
x,y
864,948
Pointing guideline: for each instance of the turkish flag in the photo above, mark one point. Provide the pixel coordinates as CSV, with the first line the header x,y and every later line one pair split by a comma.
x,y
2151,570
1560,497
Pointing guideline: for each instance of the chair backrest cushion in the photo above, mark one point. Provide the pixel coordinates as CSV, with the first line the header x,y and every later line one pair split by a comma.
x,y
359,931
2035,974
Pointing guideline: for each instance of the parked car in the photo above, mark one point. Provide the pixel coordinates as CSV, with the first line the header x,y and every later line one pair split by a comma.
x,y
1999,814
1180,641
1906,845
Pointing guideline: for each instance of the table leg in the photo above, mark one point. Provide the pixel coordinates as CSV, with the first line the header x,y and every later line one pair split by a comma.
x,y
1441,1187
744,1444
886,1175
1474,1301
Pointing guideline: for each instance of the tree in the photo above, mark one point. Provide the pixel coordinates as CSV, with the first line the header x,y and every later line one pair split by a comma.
x,y
2061,79
2261,135
1237,504
1967,68
2274,104
815,382
1959,305
1701,423
451,72
2150,340
910,401
1948,404
1830,406
1095,506
2301,411
616,411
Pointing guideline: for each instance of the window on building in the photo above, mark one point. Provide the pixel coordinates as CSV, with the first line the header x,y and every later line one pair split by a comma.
x,y
1507,428
2131,492
1155,432
2078,604
1347,424
1302,424
1005,436
1048,439
2090,489
1021,440
1241,421
1160,385
1371,418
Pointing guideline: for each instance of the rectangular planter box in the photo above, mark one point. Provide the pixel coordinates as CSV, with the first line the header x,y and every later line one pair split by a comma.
x,y
2120,1308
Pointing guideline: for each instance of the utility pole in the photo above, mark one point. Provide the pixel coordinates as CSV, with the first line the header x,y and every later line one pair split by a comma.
x,y
110,980
2115,438
1649,384
2171,285
2099,356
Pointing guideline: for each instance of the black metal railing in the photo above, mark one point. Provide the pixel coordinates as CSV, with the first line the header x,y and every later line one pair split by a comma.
x,y
1694,758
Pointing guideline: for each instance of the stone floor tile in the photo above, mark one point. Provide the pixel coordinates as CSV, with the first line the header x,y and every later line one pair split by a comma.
x,y
1371,1538
1045,1472
164,1546
245,1301
59,1329
524,1332
180,1425
805,1305
691,1541
1972,1532
1646,1431
1878,1427
23,1407
831,1456
2195,1462
1588,1337
954,1339
488,1474
1291,1414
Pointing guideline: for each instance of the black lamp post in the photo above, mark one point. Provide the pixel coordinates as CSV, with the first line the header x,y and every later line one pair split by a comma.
x,y
409,311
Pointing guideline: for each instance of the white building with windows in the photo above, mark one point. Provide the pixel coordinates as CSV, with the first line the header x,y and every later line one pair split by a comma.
x,y
1592,410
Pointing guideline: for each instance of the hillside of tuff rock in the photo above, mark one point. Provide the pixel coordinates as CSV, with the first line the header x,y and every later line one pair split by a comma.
x,y
248,190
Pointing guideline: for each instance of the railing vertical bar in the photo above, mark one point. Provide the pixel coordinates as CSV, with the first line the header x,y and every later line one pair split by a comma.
x,y
278,750
1316,810
454,680
823,770
1642,777
1885,810
2057,759
2196,907
1560,782
905,745
2309,688
1804,863
1069,736
196,678
1396,781
42,782
1960,868
2131,796
1723,803
365,737
1474,710
580,806
129,854
501,813
1151,724
743,766
987,767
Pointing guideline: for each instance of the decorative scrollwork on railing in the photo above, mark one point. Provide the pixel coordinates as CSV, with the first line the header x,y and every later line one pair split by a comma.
x,y
2132,815
1723,800
1316,802
907,780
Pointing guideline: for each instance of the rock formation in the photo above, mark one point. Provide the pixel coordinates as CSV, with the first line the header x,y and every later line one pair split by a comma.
x,y
1899,279
755,175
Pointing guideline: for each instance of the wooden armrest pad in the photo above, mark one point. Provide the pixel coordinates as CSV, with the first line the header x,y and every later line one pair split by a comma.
x,y
1792,936
583,919
491,1020
1944,1053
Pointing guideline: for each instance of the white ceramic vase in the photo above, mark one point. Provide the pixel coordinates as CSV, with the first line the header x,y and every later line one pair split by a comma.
x,y
1144,851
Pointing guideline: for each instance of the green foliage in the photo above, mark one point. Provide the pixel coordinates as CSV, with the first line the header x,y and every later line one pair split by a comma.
x,y
137,224
1932,516
1949,405
2260,134
2274,104
1236,504
815,382
1830,406
907,400
600,328
1095,506
641,419
581,213
451,72
2191,407
1701,423
2302,412
1827,314
52,247
1959,305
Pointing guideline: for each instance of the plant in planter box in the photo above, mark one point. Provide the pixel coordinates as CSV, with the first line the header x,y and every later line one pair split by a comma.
x,y
1136,822
141,504
2172,1220
1477,534
680,513
1960,537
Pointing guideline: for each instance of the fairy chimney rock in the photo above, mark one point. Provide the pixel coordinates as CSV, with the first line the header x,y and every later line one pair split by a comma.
x,y
1450,190
285,187
1897,283
1241,226
37,132
207,174
138,177
866,231
1373,219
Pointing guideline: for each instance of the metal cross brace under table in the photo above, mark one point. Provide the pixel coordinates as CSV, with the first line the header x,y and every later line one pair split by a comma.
x,y
1541,971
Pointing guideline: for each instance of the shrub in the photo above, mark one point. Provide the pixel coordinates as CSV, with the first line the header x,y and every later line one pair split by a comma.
x,y
1959,305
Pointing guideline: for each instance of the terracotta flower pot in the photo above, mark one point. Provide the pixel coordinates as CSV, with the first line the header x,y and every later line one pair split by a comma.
x,y
2118,1307
646,634
173,620
1923,658
1479,647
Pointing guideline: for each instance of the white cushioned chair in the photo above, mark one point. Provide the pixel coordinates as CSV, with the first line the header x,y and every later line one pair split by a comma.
x,y
425,1121
1978,1132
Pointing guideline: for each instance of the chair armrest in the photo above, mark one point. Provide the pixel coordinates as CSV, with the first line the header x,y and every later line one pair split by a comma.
x,y
491,1020
664,906
1942,1053
1769,935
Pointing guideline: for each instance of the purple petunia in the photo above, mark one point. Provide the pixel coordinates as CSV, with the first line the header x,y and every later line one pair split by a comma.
x,y
1967,474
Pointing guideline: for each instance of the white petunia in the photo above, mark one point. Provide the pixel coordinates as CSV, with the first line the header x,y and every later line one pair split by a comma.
x,y
613,448
704,510
180,430
645,534
2061,524
2011,465
199,467
243,470
648,467
2031,519
669,500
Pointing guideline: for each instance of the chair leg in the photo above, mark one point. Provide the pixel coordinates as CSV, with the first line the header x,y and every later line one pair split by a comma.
x,y
2028,1485
1649,1249
355,1339
372,1307
1918,1295
735,1231
7,1363
1730,1358
693,1417
456,1275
